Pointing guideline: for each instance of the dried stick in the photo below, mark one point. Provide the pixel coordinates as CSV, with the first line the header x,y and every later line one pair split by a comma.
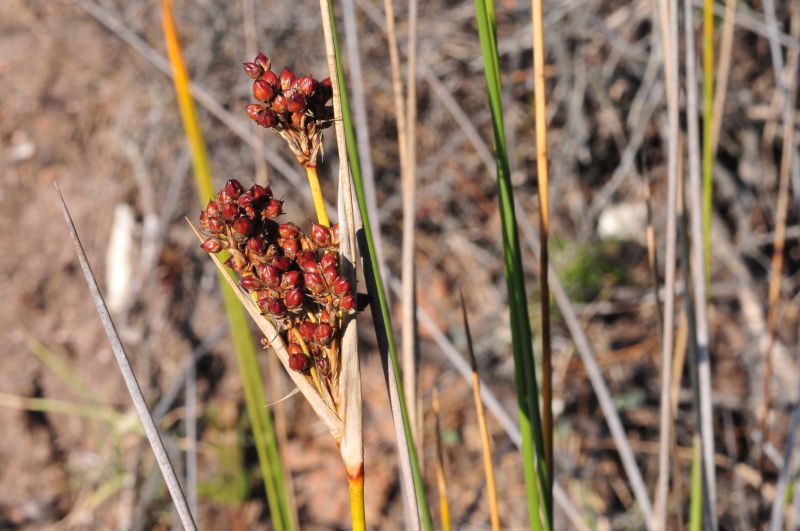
x,y
139,403
441,477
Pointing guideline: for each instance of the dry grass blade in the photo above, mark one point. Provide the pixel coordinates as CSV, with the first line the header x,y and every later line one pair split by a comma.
x,y
441,477
139,403
486,442
669,36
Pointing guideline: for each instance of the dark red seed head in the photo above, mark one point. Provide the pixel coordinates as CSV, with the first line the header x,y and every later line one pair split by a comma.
x,y
290,246
273,209
271,306
215,224
266,118
281,263
306,254
233,188
323,334
250,283
263,91
348,303
328,259
260,192
272,78
243,225
341,287
230,210
330,274
287,79
335,240
315,282
212,209
290,279
326,88
306,329
253,70
309,266
295,102
245,200
320,234
257,244
268,275
293,298
212,245
279,104
262,61
306,85
288,230
252,111
298,362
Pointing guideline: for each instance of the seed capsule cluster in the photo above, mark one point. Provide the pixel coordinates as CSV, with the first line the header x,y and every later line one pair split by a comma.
x,y
294,277
295,107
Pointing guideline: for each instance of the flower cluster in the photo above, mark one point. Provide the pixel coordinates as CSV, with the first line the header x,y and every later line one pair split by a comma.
x,y
295,107
293,277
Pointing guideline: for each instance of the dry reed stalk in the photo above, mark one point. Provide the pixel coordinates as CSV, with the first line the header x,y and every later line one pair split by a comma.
x,y
544,229
486,441
441,477
669,35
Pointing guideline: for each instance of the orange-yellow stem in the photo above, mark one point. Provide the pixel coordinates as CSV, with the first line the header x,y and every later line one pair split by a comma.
x,y
316,195
356,490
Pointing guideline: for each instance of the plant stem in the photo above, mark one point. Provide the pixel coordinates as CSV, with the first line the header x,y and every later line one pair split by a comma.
x,y
316,194
356,490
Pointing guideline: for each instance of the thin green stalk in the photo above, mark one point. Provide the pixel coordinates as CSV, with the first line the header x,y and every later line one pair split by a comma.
x,y
375,283
696,497
708,149
536,480
260,421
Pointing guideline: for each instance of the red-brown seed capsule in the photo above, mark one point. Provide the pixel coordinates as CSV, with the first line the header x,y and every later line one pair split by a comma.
x,y
293,298
252,111
298,362
215,225
271,306
287,79
307,85
323,365
320,234
250,283
341,287
262,61
271,78
335,241
326,89
348,303
330,275
328,259
306,254
236,265
259,192
262,91
296,119
281,263
230,210
308,266
315,282
253,70
245,200
290,279
273,209
324,316
233,188
295,102
295,348
266,118
279,104
323,334
242,225
306,329
288,230
212,245
257,244
268,275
